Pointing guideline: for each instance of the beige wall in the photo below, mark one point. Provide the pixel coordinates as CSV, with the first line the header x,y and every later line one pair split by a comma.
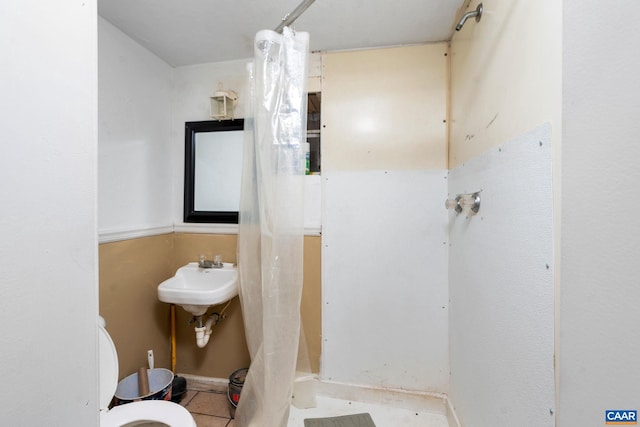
x,y
227,350
385,109
505,75
130,272
311,305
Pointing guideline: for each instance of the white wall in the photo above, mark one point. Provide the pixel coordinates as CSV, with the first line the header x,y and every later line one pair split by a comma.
x,y
48,254
193,85
134,134
599,290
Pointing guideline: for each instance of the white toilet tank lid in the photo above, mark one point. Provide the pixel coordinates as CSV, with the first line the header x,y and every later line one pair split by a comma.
x,y
108,368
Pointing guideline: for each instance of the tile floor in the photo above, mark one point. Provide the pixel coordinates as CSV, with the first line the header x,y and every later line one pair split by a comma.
x,y
211,409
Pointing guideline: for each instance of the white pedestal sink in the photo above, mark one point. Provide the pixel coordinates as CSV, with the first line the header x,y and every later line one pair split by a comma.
x,y
196,289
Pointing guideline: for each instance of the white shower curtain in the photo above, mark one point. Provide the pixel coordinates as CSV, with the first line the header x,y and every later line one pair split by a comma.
x,y
271,229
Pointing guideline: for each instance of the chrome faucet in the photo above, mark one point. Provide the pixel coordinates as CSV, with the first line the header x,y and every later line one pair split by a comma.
x,y
205,263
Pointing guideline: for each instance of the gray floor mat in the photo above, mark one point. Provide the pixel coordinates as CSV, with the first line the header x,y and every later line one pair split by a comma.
x,y
356,420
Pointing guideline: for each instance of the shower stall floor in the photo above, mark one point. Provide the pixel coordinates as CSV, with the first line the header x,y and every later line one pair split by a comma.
x,y
382,415
210,408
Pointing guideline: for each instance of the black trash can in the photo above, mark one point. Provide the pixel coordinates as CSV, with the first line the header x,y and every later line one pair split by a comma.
x,y
236,381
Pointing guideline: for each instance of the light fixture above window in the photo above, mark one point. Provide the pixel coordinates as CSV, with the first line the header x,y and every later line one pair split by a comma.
x,y
223,103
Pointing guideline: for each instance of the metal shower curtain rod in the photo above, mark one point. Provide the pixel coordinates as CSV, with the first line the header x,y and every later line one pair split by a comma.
x,y
289,18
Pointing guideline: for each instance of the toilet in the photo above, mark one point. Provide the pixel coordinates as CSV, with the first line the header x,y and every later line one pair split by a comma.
x,y
155,412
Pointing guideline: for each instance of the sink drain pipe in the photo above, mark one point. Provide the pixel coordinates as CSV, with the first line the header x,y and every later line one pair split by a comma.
x,y
203,331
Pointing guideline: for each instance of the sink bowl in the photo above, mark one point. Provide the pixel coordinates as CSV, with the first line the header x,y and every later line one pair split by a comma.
x,y
196,289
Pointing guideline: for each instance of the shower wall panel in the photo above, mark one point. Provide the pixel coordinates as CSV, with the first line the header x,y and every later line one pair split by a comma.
x,y
384,270
501,286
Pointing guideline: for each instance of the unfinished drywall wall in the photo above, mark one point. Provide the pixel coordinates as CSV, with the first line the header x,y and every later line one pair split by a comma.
x,y
505,75
384,248
385,109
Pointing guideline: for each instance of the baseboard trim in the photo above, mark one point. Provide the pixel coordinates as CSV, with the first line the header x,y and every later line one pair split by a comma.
x,y
200,383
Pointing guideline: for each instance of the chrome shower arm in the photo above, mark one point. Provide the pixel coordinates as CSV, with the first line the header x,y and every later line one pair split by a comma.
x,y
474,13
